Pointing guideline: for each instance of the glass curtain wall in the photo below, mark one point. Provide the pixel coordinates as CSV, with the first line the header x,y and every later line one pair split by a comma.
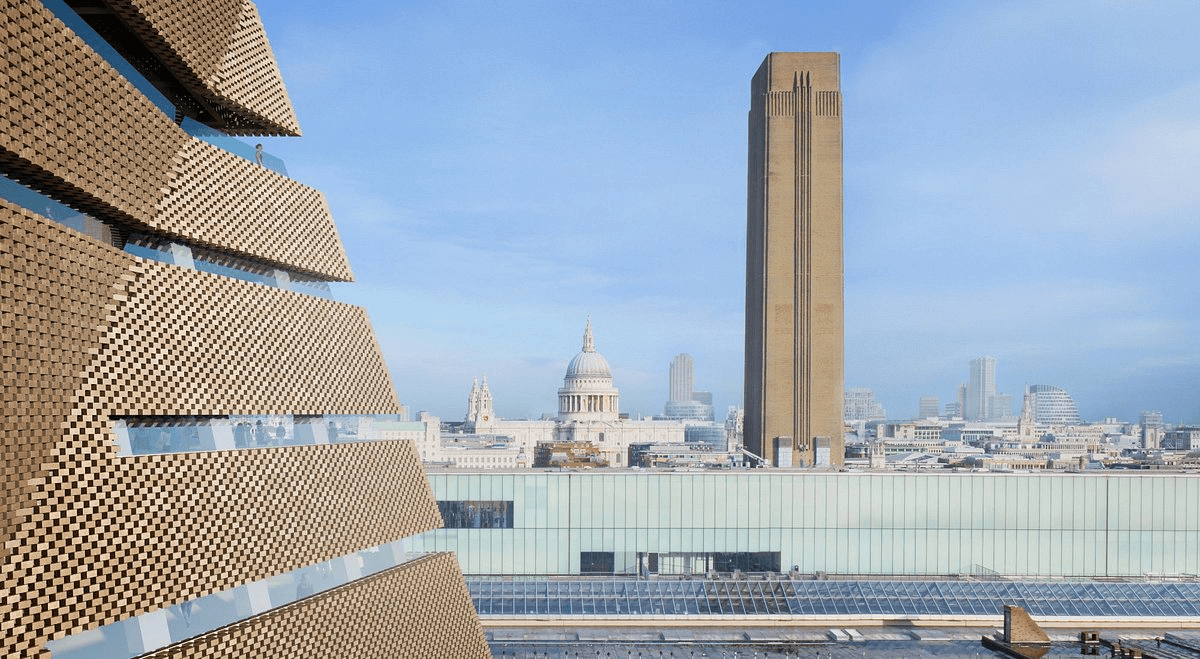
x,y
855,524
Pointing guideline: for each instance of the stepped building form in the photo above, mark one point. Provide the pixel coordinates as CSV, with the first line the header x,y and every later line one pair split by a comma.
x,y
794,280
174,372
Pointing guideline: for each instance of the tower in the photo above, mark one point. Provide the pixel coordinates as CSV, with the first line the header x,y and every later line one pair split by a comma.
x,y
479,407
682,378
472,403
1027,423
485,414
684,402
794,281
981,389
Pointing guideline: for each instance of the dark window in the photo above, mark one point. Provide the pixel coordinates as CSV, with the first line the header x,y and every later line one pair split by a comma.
x,y
596,562
477,514
746,561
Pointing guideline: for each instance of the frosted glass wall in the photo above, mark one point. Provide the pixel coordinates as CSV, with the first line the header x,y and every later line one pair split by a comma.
x,y
1012,524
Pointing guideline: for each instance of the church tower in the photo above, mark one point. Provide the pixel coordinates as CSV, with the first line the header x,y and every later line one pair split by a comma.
x,y
1026,425
472,403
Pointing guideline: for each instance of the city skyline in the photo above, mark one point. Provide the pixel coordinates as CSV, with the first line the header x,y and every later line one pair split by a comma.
x,y
498,174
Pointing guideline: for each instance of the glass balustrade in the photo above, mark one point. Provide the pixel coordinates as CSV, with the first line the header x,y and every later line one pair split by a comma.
x,y
172,624
194,128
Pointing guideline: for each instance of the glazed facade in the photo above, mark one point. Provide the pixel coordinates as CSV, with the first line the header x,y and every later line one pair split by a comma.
x,y
1029,525
150,275
1053,406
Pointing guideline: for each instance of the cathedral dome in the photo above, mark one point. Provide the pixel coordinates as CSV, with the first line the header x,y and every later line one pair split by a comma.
x,y
588,393
588,364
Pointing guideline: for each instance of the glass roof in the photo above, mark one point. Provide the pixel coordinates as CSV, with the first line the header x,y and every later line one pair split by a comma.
x,y
834,598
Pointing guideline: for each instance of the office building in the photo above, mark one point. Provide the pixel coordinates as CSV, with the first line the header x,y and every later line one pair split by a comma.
x,y
794,279
1053,406
682,378
859,404
958,409
1150,419
672,549
684,402
174,372
981,389
1001,408
1150,429
1183,438
928,408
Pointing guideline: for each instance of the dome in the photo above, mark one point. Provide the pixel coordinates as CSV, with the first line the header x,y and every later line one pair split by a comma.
x,y
588,393
588,364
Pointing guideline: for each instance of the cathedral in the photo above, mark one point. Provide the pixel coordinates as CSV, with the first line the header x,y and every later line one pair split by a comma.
x,y
588,411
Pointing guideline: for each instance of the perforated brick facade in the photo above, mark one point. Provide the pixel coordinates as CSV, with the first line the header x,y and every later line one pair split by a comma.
x,y
89,332
219,200
394,605
73,128
219,50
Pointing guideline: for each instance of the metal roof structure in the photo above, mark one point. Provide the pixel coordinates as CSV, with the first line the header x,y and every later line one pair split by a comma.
x,y
838,598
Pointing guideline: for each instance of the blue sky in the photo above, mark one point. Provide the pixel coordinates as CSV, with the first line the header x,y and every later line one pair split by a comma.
x,y
1022,180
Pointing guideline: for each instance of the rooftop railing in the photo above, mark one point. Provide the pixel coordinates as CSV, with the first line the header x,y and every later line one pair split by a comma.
x,y
232,145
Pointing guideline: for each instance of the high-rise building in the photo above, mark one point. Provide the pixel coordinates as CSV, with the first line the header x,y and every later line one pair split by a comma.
x,y
981,389
929,407
1150,425
1001,408
1053,406
794,280
1150,419
859,404
164,308
682,378
684,401
960,405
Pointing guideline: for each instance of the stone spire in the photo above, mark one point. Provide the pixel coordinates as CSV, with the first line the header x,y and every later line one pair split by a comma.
x,y
589,345
1026,424
484,411
473,401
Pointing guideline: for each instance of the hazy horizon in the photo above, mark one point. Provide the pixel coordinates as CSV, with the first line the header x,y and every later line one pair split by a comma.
x,y
1020,181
